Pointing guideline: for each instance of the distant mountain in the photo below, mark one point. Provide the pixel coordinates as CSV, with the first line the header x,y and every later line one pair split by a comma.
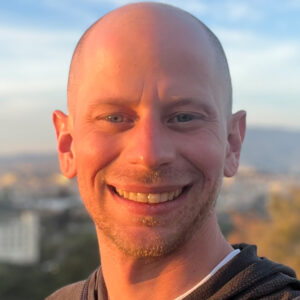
x,y
268,150
37,162
272,150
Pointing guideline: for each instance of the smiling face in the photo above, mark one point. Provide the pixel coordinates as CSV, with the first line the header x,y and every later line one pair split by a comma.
x,y
148,137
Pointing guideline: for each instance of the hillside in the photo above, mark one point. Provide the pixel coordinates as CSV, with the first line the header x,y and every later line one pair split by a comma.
x,y
272,150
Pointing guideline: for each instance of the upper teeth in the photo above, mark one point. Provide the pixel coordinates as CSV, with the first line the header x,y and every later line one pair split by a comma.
x,y
149,198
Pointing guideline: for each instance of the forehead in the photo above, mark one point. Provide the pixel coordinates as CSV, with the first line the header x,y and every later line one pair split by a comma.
x,y
124,57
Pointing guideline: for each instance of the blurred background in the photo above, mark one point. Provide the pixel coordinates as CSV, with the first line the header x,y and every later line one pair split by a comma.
x,y
46,237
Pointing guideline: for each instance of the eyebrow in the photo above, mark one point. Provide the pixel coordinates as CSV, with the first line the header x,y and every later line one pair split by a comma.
x,y
179,101
196,102
110,101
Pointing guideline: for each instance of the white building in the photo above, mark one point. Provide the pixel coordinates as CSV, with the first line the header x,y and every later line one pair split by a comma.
x,y
19,237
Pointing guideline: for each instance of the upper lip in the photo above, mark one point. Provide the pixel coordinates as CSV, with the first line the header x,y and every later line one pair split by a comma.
x,y
147,189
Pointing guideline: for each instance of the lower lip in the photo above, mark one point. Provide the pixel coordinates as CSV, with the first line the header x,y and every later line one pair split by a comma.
x,y
150,209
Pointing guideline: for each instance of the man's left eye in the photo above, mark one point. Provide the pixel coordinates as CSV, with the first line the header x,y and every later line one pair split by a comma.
x,y
182,118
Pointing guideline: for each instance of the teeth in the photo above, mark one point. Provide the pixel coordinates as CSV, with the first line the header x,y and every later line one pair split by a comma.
x,y
132,196
164,197
149,198
139,197
177,192
154,198
171,196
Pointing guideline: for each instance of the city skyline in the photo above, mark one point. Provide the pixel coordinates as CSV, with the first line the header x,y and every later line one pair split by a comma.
x,y
261,40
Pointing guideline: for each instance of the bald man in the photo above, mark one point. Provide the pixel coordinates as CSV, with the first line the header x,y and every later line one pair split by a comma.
x,y
150,135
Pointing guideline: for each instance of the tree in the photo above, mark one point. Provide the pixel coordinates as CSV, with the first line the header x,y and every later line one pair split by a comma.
x,y
278,235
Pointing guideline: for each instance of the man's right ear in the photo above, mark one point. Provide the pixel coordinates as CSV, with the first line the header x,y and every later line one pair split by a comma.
x,y
65,144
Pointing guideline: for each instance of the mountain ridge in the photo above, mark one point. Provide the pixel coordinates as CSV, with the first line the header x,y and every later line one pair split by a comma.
x,y
265,149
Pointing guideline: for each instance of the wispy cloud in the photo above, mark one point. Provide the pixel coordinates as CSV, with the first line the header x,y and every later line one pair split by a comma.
x,y
294,4
265,73
25,123
271,65
33,59
33,74
78,9
239,10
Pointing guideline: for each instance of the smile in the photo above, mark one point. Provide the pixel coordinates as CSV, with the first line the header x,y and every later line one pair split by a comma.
x,y
152,198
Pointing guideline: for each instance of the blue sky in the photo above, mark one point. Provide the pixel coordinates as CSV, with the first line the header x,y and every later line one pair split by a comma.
x,y
37,38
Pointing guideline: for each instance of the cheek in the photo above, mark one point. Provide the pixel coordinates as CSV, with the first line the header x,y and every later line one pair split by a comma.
x,y
206,153
94,151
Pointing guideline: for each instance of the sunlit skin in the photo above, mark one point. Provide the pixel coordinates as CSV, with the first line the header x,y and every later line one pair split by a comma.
x,y
148,113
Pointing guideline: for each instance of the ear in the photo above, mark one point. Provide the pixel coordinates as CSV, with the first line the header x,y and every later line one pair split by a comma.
x,y
236,134
65,143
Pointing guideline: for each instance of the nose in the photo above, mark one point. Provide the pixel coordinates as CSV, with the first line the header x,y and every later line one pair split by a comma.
x,y
150,144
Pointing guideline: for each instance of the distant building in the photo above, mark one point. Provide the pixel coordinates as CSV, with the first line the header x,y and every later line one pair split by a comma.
x,y
19,237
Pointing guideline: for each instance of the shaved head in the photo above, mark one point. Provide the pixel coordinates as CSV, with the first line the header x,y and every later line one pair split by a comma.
x,y
149,98
147,25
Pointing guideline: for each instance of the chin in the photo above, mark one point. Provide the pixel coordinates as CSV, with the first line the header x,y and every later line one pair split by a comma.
x,y
151,239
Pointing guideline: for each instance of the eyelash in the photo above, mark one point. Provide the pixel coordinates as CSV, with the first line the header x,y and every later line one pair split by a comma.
x,y
191,117
120,119
110,117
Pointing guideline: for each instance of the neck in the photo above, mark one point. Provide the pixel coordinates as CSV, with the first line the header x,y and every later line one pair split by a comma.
x,y
135,278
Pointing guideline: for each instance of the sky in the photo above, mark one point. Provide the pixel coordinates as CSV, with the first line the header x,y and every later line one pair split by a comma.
x,y
37,37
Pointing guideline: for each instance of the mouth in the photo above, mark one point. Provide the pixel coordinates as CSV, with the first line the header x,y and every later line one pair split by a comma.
x,y
150,198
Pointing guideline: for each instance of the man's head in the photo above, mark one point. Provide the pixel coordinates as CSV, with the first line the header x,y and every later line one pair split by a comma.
x,y
150,133
126,17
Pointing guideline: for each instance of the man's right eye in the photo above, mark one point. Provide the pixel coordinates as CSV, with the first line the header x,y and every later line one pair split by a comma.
x,y
115,118
115,122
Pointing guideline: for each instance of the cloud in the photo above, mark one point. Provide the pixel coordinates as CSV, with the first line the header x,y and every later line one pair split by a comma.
x,y
34,65
33,60
265,74
25,123
241,11
75,8
24,43
271,65
294,4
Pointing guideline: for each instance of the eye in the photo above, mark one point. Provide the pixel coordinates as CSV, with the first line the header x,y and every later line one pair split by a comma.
x,y
183,118
114,122
115,118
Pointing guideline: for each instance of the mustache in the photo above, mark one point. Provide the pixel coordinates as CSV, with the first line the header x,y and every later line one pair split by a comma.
x,y
161,175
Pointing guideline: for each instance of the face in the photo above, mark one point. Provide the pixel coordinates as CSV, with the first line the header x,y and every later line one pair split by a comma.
x,y
149,144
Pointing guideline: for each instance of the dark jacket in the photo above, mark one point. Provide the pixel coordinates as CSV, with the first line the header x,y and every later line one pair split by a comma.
x,y
246,276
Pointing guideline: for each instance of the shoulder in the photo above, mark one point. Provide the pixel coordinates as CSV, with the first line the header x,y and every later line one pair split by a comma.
x,y
78,290
71,291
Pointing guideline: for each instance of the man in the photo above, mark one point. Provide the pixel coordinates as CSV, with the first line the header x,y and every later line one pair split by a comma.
x,y
150,135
